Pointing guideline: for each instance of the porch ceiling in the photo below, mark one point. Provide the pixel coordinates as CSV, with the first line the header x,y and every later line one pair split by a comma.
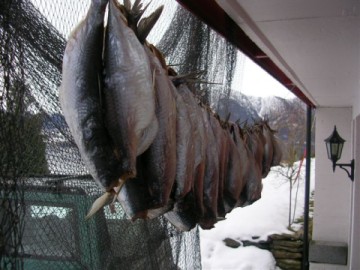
x,y
315,43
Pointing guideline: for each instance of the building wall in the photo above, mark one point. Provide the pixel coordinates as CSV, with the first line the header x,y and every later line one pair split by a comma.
x,y
355,230
333,191
356,102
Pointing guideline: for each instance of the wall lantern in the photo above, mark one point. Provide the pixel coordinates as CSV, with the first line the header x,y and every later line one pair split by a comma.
x,y
334,145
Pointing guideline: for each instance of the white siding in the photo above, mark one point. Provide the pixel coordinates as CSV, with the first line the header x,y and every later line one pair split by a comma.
x,y
355,231
332,211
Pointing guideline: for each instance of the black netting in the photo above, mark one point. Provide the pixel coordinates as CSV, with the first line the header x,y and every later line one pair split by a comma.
x,y
192,46
45,189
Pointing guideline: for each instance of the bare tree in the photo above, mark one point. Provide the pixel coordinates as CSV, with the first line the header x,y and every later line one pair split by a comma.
x,y
290,170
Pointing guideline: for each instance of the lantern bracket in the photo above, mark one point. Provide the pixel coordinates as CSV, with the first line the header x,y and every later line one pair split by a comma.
x,y
344,165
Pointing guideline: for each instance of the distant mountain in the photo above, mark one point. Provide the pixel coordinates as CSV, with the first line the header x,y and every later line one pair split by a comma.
x,y
286,116
240,108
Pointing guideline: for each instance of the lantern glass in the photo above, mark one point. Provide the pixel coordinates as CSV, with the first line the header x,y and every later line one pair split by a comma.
x,y
334,146
339,150
328,150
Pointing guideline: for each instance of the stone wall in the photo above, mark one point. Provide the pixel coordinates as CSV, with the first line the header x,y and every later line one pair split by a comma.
x,y
287,250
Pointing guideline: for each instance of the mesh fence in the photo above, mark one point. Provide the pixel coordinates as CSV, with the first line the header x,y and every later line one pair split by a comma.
x,y
45,188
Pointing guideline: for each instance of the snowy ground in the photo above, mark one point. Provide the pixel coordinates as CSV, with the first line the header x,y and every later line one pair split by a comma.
x,y
266,216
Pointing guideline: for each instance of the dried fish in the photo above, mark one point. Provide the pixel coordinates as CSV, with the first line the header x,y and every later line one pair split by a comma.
x,y
222,144
277,155
268,149
211,178
159,161
80,97
237,168
253,186
184,216
129,95
185,148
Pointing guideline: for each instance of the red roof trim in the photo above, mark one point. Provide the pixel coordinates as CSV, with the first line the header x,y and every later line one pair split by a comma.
x,y
213,15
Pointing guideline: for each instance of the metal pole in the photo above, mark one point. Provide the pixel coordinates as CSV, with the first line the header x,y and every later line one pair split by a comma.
x,y
305,261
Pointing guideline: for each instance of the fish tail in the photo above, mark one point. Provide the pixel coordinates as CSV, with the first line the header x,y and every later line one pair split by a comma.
x,y
105,198
146,24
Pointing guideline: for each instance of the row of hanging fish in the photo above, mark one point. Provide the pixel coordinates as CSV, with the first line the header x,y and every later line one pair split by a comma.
x,y
143,135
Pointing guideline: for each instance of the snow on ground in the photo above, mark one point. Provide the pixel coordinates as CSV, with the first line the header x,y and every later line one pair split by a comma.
x,y
266,216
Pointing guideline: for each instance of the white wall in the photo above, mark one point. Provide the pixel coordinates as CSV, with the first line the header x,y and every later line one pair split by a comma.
x,y
332,209
356,103
355,230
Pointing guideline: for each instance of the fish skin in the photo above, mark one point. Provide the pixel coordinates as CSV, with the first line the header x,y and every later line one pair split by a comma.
x,y
159,161
185,148
196,121
211,178
277,153
255,143
268,150
129,95
222,144
237,167
136,199
185,219
147,195
80,98
199,175
253,186
200,152
134,196
184,216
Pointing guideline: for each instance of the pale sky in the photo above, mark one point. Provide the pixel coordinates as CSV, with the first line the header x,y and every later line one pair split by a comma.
x,y
257,82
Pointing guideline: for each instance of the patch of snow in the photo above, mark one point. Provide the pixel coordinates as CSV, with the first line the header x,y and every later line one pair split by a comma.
x,y
267,216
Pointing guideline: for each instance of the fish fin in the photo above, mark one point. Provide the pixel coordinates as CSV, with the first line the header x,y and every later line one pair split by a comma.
x,y
127,5
99,203
147,137
138,10
103,199
187,78
134,12
146,24
117,192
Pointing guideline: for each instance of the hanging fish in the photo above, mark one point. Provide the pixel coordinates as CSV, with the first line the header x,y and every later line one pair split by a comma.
x,y
196,122
147,196
222,144
268,149
130,103
184,216
211,178
185,148
136,200
159,161
256,144
237,168
277,154
80,100
129,94
253,177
